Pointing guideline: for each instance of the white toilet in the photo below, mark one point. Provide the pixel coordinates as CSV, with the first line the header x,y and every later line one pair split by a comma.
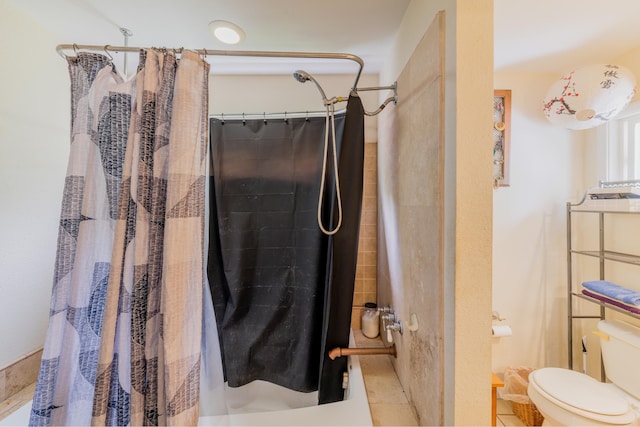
x,y
569,398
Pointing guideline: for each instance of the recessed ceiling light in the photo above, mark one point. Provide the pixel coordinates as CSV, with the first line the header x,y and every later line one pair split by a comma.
x,y
227,32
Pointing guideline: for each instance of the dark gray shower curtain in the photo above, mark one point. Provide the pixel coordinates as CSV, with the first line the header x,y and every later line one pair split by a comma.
x,y
281,288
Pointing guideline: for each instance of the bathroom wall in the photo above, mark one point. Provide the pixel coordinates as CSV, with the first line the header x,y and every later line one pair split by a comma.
x,y
471,211
435,208
550,166
617,236
34,138
411,219
529,228
631,60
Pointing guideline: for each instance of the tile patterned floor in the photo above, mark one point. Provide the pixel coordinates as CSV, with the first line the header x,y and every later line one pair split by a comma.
x,y
505,416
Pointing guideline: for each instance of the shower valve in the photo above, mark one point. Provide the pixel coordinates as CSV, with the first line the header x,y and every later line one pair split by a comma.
x,y
389,317
395,326
390,322
385,309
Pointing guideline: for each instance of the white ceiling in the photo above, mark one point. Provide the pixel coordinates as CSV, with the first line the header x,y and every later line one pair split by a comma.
x,y
530,35
362,27
560,35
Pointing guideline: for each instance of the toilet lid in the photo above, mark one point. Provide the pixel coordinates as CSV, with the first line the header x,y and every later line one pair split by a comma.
x,y
579,391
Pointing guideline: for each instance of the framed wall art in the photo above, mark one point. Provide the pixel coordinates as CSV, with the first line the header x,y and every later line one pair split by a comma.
x,y
501,137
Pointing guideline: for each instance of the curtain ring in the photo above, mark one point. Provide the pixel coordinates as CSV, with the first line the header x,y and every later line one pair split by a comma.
x,y
286,119
106,46
244,122
264,117
222,119
75,49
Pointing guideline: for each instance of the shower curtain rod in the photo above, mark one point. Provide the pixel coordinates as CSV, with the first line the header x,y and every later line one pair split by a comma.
x,y
271,54
284,115
213,52
306,114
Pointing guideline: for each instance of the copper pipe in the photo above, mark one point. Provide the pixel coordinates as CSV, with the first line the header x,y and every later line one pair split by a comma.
x,y
363,351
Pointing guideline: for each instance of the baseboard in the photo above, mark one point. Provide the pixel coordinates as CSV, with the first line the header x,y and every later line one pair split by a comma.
x,y
19,374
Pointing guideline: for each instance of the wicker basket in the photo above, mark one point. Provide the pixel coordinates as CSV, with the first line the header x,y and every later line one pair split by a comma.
x,y
528,413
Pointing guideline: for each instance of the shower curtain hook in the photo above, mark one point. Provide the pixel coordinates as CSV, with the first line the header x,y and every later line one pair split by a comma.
x,y
264,117
222,119
286,119
244,122
306,117
75,49
106,46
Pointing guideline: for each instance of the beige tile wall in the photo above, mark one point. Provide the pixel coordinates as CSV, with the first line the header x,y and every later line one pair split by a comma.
x,y
20,374
365,289
411,229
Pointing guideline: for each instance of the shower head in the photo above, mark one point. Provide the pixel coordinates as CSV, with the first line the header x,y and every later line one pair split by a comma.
x,y
303,77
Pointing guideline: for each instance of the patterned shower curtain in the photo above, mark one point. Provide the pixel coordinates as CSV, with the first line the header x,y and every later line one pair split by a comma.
x,y
125,329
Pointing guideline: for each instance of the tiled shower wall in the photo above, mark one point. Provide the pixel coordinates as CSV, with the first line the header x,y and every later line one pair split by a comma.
x,y
411,266
366,284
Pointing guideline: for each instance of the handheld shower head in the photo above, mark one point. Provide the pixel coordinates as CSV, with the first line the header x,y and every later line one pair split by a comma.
x,y
303,77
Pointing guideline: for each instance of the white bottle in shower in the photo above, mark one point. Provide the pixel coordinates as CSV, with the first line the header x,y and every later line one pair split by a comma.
x,y
370,320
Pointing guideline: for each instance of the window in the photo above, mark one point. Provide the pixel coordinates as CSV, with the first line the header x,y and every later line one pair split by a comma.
x,y
623,145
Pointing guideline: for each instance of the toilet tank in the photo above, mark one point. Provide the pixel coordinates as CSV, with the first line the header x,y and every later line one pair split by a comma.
x,y
621,354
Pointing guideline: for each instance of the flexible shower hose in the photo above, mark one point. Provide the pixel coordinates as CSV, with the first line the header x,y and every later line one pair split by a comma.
x,y
330,120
